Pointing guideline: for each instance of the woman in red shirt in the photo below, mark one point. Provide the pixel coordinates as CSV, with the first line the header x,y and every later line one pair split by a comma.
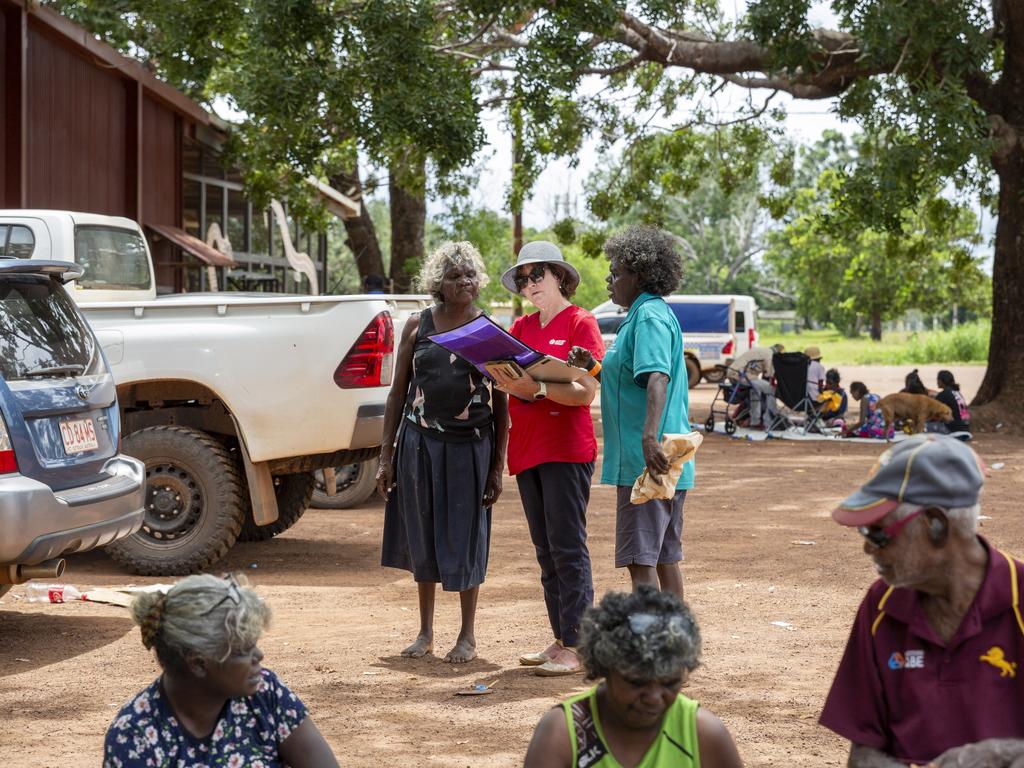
x,y
552,447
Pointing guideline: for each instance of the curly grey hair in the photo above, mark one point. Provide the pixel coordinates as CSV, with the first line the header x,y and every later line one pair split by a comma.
x,y
444,256
650,253
642,635
205,614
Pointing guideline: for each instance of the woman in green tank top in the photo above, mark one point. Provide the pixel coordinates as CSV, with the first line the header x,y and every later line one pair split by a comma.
x,y
644,644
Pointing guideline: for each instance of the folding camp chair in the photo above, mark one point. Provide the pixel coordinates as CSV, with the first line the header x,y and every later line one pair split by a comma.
x,y
791,391
733,395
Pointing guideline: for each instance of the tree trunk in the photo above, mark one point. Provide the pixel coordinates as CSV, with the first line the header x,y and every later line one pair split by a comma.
x,y
360,231
1006,347
407,190
876,325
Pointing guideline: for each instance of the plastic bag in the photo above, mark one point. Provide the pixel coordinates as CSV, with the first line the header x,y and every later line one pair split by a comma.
x,y
679,449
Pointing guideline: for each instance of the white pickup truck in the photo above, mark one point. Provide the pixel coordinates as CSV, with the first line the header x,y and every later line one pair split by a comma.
x,y
235,402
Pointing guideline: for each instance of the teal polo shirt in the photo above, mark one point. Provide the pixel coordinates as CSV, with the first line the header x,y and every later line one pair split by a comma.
x,y
648,341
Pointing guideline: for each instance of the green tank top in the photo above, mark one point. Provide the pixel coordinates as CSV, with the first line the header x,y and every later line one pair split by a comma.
x,y
675,746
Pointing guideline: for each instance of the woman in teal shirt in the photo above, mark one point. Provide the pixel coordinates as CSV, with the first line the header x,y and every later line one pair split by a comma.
x,y
644,395
644,645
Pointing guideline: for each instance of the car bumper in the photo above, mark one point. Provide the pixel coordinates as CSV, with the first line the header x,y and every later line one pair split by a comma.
x,y
369,426
37,523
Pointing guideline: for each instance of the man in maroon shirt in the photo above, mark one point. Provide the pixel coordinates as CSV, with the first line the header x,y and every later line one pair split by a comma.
x,y
933,672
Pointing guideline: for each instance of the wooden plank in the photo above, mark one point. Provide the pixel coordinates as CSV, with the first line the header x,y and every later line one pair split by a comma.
x,y
134,171
15,147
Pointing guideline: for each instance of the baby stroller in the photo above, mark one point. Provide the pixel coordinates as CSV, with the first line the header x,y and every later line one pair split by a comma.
x,y
791,390
733,400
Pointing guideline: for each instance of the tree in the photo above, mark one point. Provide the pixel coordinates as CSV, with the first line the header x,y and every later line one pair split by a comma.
x,y
843,273
948,74
321,84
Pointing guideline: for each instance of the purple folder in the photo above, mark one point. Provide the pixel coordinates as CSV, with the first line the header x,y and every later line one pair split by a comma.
x,y
482,341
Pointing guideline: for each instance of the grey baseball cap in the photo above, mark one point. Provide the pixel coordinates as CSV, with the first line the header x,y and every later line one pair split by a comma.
x,y
539,252
929,470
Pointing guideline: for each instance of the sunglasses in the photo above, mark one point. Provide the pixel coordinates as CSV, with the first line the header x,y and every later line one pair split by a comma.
x,y
882,537
535,275
232,594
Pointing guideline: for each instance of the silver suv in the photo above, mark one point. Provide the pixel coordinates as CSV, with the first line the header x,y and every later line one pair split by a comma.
x,y
64,486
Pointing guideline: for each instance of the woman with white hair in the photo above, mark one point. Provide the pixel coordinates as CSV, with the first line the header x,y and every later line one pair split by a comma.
x,y
643,646
214,703
448,457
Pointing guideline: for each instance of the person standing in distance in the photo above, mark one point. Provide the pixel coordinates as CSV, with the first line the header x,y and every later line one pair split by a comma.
x,y
552,447
644,394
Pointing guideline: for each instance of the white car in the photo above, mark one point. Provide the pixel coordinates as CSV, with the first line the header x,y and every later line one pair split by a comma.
x,y
715,328
233,401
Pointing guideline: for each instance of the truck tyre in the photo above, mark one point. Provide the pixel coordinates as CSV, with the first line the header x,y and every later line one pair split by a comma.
x,y
692,372
195,502
355,484
293,493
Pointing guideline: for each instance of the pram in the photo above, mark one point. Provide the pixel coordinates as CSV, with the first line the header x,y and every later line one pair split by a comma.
x,y
734,399
791,391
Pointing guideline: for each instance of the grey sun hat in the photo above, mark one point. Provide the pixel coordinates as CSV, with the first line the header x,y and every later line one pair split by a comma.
x,y
929,470
540,252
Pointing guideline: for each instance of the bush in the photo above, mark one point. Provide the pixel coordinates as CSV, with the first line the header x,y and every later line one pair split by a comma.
x,y
963,344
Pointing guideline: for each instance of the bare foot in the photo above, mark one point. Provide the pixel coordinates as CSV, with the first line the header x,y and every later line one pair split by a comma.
x,y
424,644
464,650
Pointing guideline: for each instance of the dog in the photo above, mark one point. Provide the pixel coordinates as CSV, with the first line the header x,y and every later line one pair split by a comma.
x,y
916,408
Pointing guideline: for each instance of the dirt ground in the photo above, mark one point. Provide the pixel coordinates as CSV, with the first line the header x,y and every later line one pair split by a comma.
x,y
340,619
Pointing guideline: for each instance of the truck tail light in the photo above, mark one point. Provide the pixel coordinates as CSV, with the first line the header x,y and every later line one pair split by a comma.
x,y
369,362
8,463
752,337
727,349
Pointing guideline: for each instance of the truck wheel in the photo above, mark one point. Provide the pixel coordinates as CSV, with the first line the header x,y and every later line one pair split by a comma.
x,y
293,493
355,484
692,372
195,502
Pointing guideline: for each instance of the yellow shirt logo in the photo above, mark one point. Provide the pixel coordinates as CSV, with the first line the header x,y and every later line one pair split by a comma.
x,y
997,659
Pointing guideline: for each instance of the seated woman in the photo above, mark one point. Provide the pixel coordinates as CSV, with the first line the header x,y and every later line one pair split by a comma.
x,y
214,704
871,423
949,394
913,385
644,644
832,402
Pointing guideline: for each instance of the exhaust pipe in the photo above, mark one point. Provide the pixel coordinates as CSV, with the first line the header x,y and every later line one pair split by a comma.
x,y
19,574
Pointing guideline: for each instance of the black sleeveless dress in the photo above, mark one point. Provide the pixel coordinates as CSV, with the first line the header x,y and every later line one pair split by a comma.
x,y
435,524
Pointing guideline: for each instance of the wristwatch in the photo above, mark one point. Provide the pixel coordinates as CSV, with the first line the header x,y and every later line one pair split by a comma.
x,y
542,392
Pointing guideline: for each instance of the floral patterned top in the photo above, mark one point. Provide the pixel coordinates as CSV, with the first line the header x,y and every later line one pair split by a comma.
x,y
248,733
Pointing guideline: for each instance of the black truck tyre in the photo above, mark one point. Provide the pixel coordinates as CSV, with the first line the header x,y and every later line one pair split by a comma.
x,y
293,493
693,373
355,484
195,502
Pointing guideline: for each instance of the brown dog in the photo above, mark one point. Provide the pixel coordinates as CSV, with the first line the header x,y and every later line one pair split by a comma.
x,y
916,408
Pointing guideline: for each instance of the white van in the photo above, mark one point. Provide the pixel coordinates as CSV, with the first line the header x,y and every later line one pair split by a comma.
x,y
715,328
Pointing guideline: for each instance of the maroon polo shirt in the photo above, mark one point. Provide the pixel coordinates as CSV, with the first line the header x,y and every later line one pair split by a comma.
x,y
901,690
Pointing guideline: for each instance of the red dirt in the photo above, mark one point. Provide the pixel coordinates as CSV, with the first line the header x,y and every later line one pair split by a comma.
x,y
340,620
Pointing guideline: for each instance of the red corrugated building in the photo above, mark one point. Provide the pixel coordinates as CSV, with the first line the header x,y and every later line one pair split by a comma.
x,y
84,128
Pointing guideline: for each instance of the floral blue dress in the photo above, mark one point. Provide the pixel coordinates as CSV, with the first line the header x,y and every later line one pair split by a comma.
x,y
250,731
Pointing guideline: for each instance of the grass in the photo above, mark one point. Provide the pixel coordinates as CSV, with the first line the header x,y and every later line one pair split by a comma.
x,y
964,344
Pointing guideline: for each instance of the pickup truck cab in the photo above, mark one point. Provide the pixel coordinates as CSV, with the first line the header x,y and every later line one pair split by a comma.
x,y
233,401
64,486
715,328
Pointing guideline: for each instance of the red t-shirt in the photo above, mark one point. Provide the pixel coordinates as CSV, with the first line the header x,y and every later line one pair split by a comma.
x,y
544,430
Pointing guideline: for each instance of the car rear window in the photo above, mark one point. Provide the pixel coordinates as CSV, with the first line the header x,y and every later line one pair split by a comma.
x,y
40,329
609,324
112,259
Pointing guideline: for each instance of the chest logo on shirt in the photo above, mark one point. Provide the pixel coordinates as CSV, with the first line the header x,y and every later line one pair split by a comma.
x,y
908,660
556,342
997,659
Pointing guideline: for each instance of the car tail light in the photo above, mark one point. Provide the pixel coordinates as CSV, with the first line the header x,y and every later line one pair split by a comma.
x,y
369,362
8,463
727,349
752,337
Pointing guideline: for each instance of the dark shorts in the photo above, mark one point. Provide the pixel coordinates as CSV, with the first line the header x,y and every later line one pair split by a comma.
x,y
648,534
435,524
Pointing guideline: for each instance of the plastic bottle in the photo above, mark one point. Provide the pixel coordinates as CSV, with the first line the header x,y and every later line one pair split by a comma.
x,y
51,593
